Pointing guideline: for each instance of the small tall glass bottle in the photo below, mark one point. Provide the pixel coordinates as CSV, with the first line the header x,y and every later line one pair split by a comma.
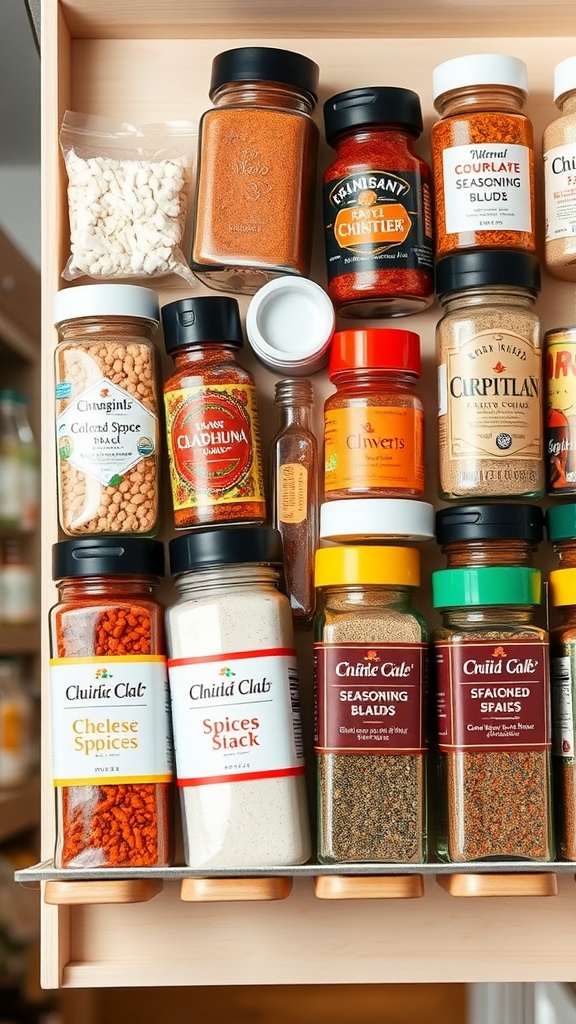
x,y
493,715
482,155
294,468
212,426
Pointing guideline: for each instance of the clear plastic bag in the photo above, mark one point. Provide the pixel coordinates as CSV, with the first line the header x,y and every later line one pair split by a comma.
x,y
129,197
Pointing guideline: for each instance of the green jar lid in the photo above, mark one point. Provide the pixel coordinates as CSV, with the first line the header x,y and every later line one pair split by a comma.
x,y
464,588
561,522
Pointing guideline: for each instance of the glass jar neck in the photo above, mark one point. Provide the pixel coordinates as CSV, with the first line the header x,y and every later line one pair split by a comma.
x,y
477,98
204,355
567,104
264,94
293,400
390,135
496,295
106,327
221,577
510,616
470,554
567,615
370,377
106,586
366,597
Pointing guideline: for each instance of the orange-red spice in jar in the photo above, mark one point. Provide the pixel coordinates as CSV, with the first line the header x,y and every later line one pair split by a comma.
x,y
377,207
374,423
482,155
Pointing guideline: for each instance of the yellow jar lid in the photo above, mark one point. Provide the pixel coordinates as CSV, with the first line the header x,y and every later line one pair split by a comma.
x,y
562,584
373,564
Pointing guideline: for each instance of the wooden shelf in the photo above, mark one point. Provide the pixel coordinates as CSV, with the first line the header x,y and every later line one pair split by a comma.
x,y
19,639
19,809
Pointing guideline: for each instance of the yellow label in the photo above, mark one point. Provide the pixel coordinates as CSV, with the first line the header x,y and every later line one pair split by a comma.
x,y
292,493
374,447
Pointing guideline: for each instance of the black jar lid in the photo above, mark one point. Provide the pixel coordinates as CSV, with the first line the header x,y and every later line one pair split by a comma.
x,y
379,105
265,64
107,556
490,522
206,549
482,269
207,318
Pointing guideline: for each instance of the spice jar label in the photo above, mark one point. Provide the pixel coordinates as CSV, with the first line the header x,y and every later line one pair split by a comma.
x,y
372,447
292,492
105,431
561,410
236,717
377,221
110,720
562,678
369,698
487,188
560,192
489,390
213,445
493,696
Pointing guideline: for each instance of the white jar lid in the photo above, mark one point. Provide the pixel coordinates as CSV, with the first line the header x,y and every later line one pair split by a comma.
x,y
376,519
289,324
129,300
564,77
479,69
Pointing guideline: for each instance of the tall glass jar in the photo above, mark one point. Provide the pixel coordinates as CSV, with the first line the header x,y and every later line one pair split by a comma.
x,y
370,673
493,715
489,534
112,757
482,155
235,702
294,469
212,425
107,432
377,204
256,172
559,155
374,422
489,354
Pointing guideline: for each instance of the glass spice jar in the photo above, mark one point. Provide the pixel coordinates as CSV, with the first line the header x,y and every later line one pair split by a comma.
x,y
235,703
482,155
377,205
374,422
482,535
559,156
107,432
493,716
560,400
212,425
489,354
111,737
561,533
562,594
370,674
294,490
256,169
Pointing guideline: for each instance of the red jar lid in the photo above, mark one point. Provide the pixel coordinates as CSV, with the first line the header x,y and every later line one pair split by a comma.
x,y
375,348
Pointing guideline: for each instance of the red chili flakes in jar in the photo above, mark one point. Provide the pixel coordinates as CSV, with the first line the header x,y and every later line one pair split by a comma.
x,y
377,206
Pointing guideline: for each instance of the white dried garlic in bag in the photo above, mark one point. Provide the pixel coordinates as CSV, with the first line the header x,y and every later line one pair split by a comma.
x,y
129,193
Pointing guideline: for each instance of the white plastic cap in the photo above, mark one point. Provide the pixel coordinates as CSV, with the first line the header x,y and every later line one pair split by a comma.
x,y
564,77
479,69
289,324
106,300
352,519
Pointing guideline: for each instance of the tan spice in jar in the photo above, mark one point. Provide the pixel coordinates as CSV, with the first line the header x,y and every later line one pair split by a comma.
x,y
559,152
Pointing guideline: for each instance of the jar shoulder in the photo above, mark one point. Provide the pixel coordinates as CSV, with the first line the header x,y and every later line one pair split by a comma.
x,y
194,375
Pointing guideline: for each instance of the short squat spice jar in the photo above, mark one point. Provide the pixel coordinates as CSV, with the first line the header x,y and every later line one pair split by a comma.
x,y
489,534
256,171
107,433
493,716
561,533
562,592
374,422
111,737
235,702
212,425
370,694
488,348
559,155
377,204
482,155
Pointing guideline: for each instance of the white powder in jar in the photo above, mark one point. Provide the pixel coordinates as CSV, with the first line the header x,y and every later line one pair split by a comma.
x,y
251,823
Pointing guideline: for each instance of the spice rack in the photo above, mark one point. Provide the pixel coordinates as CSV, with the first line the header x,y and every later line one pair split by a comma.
x,y
149,61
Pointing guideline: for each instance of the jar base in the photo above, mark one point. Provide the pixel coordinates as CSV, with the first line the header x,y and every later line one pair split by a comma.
x,y
382,306
240,280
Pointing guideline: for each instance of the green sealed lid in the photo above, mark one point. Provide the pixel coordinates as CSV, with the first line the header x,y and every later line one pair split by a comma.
x,y
492,585
561,522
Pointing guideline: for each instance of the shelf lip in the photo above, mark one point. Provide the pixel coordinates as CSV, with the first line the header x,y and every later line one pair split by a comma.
x,y
45,870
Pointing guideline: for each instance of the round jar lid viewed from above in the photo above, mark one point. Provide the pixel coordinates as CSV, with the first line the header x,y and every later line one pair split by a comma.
x,y
511,521
479,69
561,522
486,586
348,565
81,301
289,324
372,519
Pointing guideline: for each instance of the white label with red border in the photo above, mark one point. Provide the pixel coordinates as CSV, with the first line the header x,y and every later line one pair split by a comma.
x,y
236,717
